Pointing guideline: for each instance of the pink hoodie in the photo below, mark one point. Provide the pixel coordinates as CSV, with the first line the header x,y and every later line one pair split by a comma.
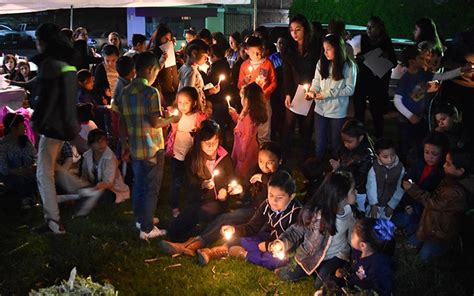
x,y
245,150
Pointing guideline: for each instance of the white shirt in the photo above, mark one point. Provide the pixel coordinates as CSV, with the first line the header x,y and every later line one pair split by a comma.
x,y
183,140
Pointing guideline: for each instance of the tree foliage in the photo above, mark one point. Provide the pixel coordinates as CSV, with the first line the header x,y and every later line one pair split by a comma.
x,y
450,16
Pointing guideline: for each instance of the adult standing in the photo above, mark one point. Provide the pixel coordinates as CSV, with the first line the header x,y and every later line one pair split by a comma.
x,y
299,64
55,117
370,86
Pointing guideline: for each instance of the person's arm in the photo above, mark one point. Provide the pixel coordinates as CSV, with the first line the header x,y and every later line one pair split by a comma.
x,y
397,101
448,74
233,114
253,226
398,194
293,235
241,81
272,85
109,170
348,86
438,200
154,114
316,83
371,188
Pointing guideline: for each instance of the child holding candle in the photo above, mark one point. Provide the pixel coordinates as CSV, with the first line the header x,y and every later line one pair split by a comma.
x,y
260,70
197,52
207,190
333,83
180,140
320,238
253,114
269,161
272,218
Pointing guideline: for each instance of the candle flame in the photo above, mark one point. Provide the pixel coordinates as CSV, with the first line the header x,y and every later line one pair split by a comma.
x,y
250,69
233,183
215,173
306,87
221,77
175,112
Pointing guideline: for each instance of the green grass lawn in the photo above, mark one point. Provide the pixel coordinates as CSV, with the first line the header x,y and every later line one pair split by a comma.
x,y
106,246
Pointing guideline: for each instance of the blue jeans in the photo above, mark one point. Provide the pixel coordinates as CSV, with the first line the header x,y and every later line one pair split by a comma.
x,y
431,249
324,273
328,133
146,187
212,233
177,178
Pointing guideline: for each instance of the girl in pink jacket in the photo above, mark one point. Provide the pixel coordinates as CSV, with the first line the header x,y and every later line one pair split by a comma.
x,y
254,113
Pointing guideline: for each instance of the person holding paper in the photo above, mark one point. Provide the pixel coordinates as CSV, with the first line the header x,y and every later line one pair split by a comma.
x,y
167,80
333,83
197,53
369,85
299,63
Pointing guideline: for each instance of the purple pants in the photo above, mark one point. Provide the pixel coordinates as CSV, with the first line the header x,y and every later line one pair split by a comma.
x,y
255,256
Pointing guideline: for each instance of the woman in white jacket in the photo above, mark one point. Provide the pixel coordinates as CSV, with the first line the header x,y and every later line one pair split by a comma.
x,y
333,84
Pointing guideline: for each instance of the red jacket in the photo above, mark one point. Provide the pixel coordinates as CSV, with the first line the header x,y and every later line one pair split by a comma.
x,y
266,70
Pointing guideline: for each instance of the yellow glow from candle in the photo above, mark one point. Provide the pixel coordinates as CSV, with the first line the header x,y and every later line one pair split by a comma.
x,y
306,87
228,233
175,112
215,173
250,69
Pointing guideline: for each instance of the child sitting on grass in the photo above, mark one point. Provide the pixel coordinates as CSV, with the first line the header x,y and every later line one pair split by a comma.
x,y
443,208
271,219
372,265
384,190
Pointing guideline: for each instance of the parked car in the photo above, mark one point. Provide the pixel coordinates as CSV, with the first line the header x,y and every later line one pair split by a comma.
x,y
29,29
10,38
98,39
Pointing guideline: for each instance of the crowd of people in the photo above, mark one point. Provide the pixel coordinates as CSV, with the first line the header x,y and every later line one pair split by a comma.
x,y
94,114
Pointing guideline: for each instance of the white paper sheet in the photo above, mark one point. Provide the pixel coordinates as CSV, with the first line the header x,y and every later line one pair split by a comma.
x,y
168,47
376,63
300,105
355,43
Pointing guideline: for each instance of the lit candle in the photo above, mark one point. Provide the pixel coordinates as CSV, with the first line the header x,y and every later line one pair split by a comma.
x,y
175,112
306,87
278,250
183,44
233,184
228,100
250,70
228,233
221,77
215,173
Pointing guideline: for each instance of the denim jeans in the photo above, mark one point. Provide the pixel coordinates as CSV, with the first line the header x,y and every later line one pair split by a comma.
x,y
212,233
324,273
328,131
148,174
177,178
305,126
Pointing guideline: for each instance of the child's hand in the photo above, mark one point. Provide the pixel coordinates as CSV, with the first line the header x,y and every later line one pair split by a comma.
x,y
227,230
409,210
334,164
339,273
247,79
163,58
262,247
261,80
374,211
175,118
232,110
388,212
216,89
287,102
406,184
208,184
310,95
276,247
256,178
319,96
235,189
222,194
414,119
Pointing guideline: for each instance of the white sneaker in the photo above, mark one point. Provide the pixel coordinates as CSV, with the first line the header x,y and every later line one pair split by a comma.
x,y
156,221
56,227
155,232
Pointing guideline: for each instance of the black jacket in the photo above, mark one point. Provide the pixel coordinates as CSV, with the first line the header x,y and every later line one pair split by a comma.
x,y
54,100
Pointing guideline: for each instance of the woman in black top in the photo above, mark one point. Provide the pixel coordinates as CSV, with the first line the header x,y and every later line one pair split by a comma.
x,y
299,64
368,85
